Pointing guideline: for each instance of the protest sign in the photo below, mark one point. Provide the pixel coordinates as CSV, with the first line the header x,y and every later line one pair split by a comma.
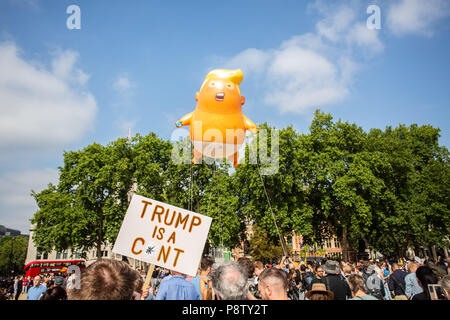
x,y
161,234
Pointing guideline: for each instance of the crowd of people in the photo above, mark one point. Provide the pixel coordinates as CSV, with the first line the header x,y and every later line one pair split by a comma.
x,y
245,279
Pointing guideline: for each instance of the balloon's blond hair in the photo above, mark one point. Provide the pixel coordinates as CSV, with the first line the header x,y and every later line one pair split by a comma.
x,y
234,76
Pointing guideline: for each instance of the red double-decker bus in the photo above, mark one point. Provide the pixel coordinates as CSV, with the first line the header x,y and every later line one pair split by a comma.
x,y
57,267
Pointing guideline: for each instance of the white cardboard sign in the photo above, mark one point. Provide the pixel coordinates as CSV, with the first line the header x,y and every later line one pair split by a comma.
x,y
164,235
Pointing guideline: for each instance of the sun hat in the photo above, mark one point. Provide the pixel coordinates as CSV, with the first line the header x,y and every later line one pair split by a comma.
x,y
320,287
59,281
331,267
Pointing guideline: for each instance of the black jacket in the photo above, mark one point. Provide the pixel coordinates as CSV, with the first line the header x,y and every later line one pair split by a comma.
x,y
397,282
338,285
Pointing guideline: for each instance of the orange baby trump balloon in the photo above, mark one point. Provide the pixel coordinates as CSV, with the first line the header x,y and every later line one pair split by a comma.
x,y
217,125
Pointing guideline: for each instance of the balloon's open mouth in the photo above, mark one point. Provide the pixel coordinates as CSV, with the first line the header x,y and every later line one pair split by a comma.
x,y
220,96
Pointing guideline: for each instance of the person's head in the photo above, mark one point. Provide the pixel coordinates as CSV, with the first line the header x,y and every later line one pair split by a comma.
x,y
107,279
37,281
55,293
319,292
50,284
347,269
303,268
412,267
259,267
59,281
319,272
206,264
229,281
395,266
356,284
247,265
331,267
445,285
425,276
273,284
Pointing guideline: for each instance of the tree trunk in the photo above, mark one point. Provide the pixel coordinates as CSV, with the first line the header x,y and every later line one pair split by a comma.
x,y
344,242
100,234
433,252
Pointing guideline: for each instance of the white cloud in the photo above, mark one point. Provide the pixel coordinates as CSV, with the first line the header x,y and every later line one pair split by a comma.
x,y
15,187
123,85
63,67
40,107
16,203
364,37
416,16
313,69
336,23
251,60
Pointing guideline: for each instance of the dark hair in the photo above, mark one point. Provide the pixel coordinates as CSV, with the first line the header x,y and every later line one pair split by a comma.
x,y
356,283
426,276
319,296
303,267
56,293
247,265
205,263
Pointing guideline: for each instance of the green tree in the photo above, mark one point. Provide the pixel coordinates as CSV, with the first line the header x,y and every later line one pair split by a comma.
x,y
337,180
88,206
262,248
13,251
220,203
285,192
413,209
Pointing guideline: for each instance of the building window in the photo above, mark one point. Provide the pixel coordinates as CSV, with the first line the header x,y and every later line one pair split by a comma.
x,y
58,255
65,254
336,243
328,243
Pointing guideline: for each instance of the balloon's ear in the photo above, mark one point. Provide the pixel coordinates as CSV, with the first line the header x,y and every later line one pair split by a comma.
x,y
196,96
242,100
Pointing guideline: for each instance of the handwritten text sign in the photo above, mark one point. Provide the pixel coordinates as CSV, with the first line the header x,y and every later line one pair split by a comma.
x,y
162,234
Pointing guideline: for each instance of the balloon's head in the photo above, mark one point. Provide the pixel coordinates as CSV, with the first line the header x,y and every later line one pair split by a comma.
x,y
220,92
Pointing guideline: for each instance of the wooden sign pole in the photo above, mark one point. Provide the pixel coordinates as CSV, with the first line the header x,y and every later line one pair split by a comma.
x,y
148,278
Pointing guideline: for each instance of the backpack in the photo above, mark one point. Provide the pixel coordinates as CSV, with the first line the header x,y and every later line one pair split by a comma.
x,y
373,285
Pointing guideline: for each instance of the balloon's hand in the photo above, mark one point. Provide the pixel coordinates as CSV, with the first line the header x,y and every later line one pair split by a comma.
x,y
185,121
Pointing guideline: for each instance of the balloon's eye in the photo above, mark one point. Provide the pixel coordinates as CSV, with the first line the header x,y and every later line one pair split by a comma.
x,y
212,84
229,85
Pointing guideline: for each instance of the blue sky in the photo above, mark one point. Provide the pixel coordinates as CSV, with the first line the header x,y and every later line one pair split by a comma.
x,y
137,64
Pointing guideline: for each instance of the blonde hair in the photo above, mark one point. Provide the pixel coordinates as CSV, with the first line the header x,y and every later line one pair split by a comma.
x,y
234,76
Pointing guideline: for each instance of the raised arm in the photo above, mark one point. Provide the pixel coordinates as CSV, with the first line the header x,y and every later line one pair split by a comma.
x,y
185,121
250,125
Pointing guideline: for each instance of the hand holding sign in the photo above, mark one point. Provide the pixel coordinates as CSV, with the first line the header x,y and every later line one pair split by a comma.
x,y
162,234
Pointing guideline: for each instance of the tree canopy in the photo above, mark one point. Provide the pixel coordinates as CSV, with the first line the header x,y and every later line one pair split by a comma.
x,y
388,187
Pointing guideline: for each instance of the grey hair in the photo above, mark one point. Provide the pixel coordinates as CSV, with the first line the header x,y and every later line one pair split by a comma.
x,y
445,284
229,280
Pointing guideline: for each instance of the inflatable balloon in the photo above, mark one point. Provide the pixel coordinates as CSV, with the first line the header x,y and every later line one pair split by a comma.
x,y
217,125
